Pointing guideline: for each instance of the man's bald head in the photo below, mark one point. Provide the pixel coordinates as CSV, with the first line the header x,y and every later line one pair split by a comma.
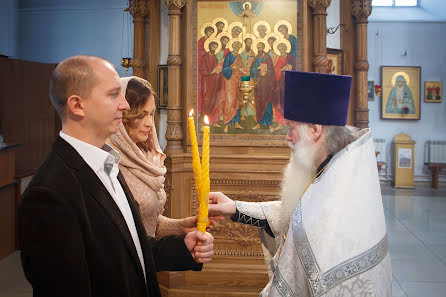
x,y
73,76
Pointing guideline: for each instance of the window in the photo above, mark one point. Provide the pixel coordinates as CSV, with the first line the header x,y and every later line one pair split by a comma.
x,y
394,3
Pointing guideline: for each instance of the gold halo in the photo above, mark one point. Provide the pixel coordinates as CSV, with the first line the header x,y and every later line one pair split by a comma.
x,y
205,25
245,36
234,40
249,5
223,20
282,40
273,34
219,36
212,39
234,24
256,26
283,22
406,77
260,40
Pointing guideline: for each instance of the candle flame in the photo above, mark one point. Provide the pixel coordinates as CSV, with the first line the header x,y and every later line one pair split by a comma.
x,y
206,120
191,112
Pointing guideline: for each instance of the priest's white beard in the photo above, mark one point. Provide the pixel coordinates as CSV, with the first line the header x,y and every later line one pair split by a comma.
x,y
298,174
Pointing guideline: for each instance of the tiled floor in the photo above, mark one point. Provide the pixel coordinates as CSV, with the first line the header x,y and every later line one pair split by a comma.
x,y
416,225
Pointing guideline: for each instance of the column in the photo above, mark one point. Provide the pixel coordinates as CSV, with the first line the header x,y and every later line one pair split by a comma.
x,y
174,133
320,60
361,9
138,9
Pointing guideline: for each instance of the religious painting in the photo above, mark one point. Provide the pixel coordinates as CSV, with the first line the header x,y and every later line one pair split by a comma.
x,y
334,65
242,52
400,92
371,90
404,158
433,91
162,85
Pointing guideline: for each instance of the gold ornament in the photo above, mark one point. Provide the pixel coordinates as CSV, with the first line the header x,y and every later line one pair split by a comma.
x,y
231,42
283,22
224,21
259,23
284,41
205,25
212,39
406,77
260,40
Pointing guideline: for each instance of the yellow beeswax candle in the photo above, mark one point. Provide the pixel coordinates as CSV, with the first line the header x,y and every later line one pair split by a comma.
x,y
203,220
196,165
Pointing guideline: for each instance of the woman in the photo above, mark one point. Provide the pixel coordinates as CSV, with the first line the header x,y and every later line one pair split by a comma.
x,y
142,160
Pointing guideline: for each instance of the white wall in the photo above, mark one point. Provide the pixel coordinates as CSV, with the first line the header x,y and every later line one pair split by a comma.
x,y
53,30
9,26
333,20
164,52
425,45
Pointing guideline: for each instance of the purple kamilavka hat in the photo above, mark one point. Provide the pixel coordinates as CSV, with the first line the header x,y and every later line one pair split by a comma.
x,y
317,98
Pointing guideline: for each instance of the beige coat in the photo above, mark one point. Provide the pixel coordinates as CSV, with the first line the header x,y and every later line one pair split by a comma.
x,y
144,174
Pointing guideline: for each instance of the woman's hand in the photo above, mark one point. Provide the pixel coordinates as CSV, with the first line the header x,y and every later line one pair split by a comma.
x,y
189,224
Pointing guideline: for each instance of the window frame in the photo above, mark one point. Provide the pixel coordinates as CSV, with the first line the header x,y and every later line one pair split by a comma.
x,y
397,6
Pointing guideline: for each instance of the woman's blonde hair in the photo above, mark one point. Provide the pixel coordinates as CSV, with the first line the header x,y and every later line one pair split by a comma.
x,y
137,93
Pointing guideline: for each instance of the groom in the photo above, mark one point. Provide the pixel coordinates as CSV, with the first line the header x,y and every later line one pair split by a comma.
x,y
80,230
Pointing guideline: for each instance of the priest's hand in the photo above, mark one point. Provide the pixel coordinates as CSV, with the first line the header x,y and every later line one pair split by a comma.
x,y
201,246
220,204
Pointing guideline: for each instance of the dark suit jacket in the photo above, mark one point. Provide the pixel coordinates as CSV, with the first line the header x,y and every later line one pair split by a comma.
x,y
74,240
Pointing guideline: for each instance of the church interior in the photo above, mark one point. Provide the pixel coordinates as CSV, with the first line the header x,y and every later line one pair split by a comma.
x,y
393,49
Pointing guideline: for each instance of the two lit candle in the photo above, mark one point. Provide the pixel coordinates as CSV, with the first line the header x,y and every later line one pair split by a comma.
x,y
201,171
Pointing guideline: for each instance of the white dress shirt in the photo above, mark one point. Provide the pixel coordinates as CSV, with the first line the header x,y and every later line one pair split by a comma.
x,y
98,160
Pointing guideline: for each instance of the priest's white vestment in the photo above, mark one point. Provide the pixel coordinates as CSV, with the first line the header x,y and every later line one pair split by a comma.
x,y
336,243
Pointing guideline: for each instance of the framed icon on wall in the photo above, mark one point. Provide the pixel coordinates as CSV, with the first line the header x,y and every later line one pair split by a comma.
x,y
433,91
335,60
400,92
162,85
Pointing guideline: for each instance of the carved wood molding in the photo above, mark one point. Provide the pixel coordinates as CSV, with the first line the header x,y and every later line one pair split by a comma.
x,y
245,182
175,5
361,9
137,63
139,8
174,60
319,4
320,63
238,253
240,234
174,130
362,65
174,133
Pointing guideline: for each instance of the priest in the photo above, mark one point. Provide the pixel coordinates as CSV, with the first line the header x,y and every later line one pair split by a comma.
x,y
326,236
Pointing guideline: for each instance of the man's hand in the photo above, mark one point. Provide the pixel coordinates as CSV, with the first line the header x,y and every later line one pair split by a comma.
x,y
201,246
220,204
